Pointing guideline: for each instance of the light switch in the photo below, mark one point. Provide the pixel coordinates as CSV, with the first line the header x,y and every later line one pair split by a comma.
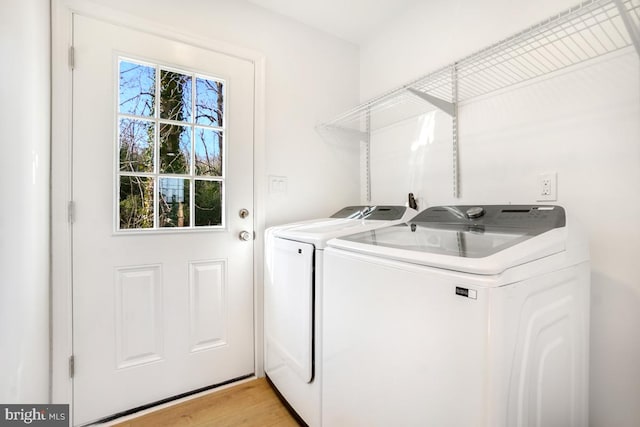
x,y
277,184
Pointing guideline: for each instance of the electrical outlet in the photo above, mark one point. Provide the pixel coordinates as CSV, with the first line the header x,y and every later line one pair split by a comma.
x,y
547,187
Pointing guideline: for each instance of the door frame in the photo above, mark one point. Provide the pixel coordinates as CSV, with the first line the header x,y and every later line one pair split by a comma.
x,y
61,326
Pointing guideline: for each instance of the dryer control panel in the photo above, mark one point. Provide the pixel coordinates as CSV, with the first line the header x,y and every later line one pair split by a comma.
x,y
384,213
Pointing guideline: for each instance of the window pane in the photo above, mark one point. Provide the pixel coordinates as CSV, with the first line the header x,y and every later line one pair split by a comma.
x,y
175,149
171,143
209,102
208,209
175,96
174,202
208,152
136,145
137,89
136,202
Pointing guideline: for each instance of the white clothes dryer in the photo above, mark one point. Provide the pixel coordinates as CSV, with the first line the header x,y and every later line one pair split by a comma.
x,y
293,304
467,316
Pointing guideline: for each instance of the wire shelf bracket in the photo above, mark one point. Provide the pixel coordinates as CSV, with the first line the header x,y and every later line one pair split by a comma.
x,y
441,104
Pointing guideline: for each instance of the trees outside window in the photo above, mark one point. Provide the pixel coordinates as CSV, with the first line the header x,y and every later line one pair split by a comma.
x,y
171,138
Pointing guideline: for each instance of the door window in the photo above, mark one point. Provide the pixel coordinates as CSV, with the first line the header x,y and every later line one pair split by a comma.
x,y
171,144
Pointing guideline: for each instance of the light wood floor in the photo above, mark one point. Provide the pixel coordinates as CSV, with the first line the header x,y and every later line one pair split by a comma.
x,y
253,403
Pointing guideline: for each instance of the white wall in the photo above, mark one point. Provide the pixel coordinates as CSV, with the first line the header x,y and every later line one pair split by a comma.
x,y
24,217
310,77
583,123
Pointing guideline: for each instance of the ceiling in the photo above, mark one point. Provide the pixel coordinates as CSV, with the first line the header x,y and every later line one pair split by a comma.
x,y
353,20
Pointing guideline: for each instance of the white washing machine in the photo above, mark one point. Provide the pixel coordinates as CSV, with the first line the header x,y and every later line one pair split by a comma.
x,y
292,296
468,316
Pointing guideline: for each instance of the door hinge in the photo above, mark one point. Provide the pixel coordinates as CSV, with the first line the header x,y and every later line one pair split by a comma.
x,y
71,211
72,57
72,366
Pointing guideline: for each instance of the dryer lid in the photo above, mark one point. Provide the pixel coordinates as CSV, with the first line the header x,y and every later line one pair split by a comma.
x,y
318,233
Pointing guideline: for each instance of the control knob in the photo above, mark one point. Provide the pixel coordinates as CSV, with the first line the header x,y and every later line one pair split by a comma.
x,y
475,212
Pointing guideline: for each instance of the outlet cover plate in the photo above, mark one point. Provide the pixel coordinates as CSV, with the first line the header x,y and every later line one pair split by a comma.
x,y
547,187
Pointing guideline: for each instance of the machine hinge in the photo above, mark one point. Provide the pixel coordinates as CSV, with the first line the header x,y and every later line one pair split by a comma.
x,y
72,366
71,211
72,57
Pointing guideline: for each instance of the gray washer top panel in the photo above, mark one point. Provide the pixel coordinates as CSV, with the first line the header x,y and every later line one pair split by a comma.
x,y
530,218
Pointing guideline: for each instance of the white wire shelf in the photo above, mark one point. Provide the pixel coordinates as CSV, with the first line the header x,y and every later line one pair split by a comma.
x,y
584,32
394,106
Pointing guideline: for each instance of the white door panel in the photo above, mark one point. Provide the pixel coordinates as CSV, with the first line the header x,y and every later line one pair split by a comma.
x,y
156,313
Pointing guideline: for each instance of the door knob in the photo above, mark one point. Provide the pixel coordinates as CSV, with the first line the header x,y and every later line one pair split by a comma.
x,y
245,236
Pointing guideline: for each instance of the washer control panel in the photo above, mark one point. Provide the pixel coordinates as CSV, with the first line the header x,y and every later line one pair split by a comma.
x,y
526,217
475,212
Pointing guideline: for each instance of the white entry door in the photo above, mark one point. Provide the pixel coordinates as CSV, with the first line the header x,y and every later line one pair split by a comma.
x,y
162,168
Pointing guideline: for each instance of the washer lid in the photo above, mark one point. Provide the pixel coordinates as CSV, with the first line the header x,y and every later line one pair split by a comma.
x,y
477,239
444,241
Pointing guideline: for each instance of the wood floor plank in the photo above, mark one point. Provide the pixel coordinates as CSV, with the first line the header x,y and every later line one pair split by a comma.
x,y
250,404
